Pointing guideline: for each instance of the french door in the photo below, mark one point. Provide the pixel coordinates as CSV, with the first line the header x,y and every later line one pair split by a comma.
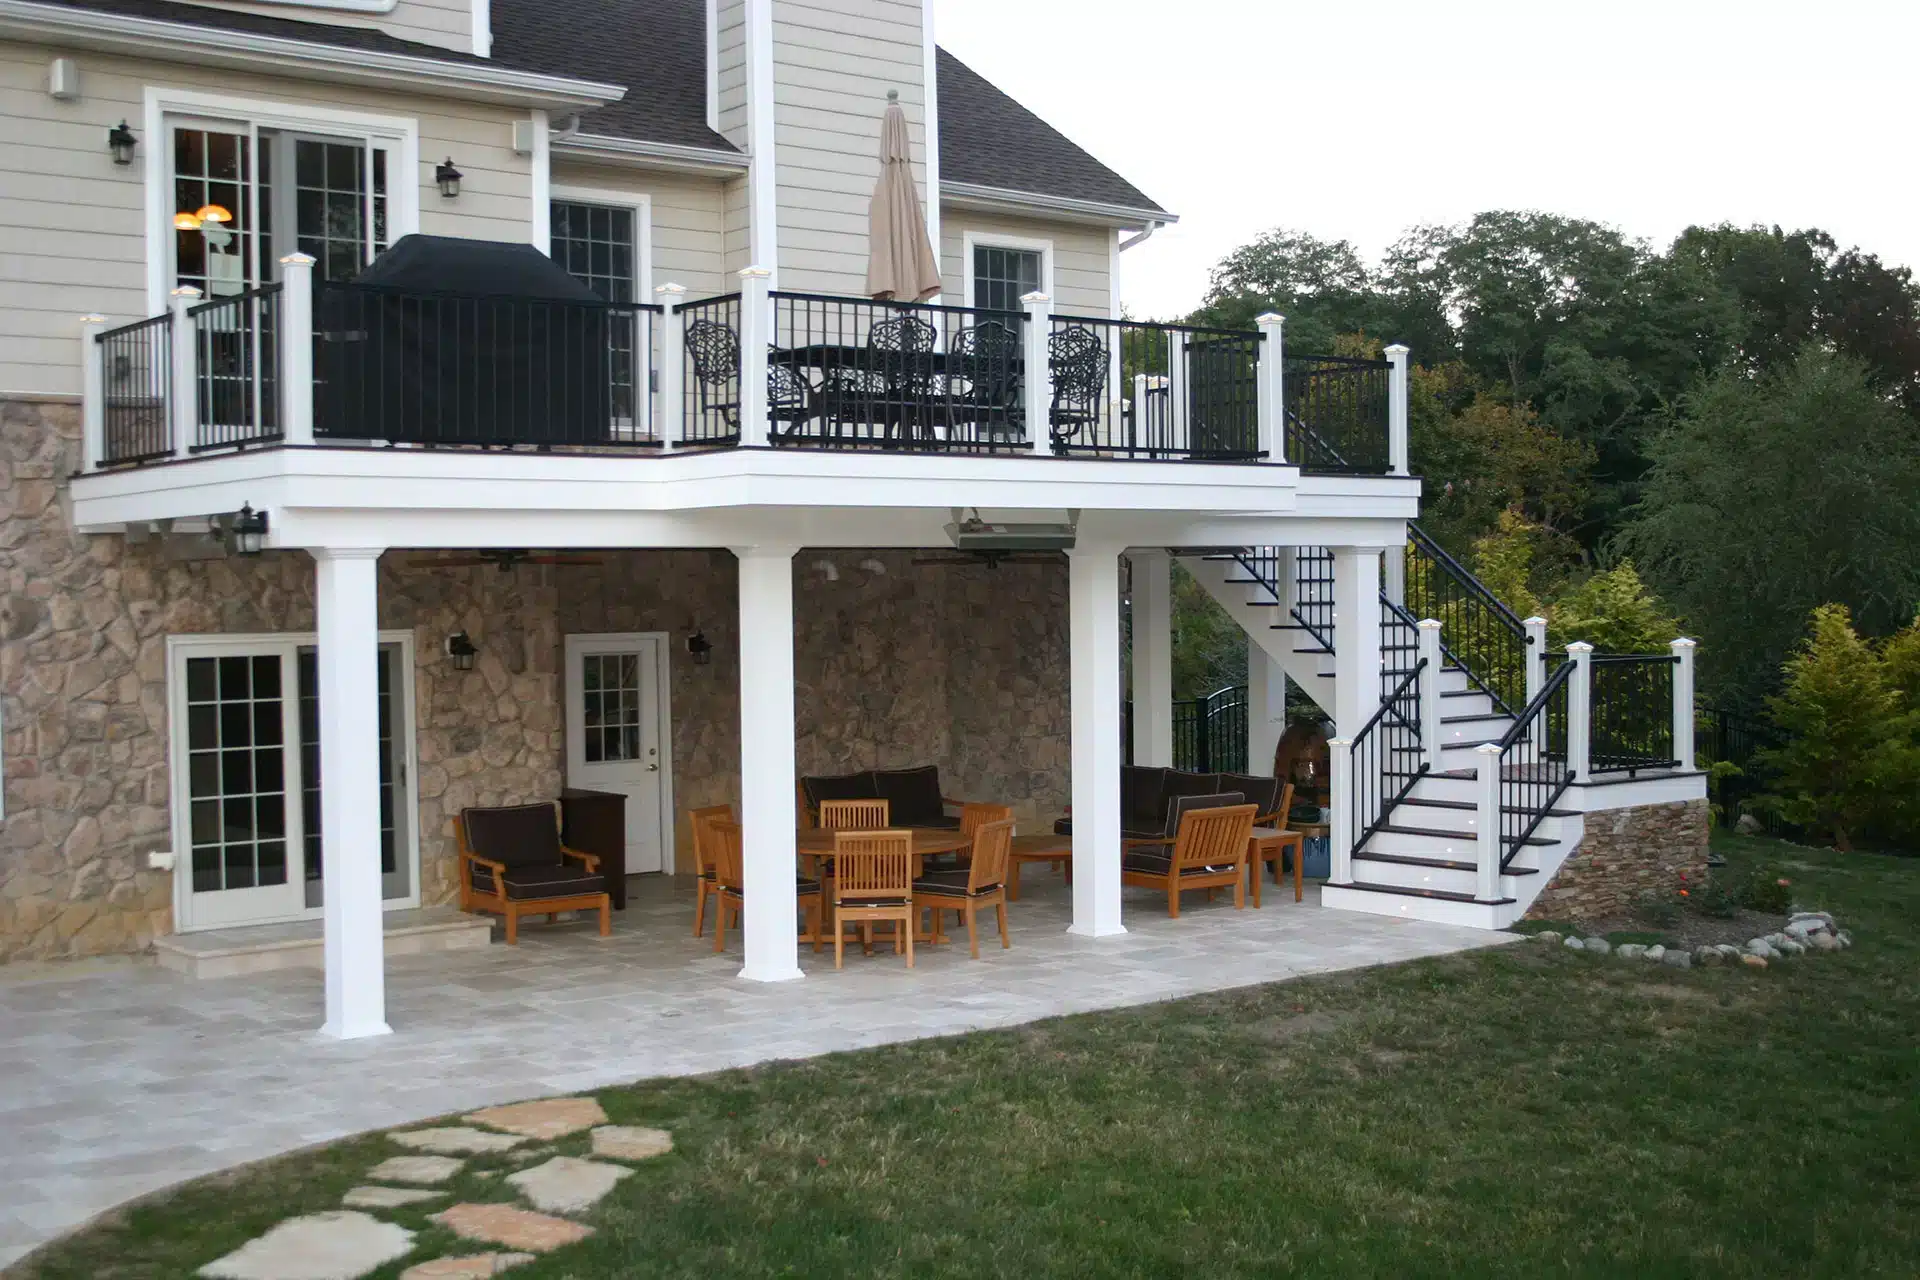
x,y
617,726
246,779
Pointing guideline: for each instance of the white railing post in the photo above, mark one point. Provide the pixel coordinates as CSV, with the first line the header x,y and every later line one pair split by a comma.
x,y
672,409
1039,373
1179,391
1536,628
296,348
1430,692
1683,749
1393,574
1399,393
1271,387
93,393
1580,710
184,411
756,330
1486,758
1340,796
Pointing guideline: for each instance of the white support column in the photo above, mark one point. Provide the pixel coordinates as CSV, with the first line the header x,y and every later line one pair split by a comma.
x,y
756,330
296,348
1038,373
1430,737
1486,760
1399,395
1580,710
93,393
347,626
1266,708
767,814
672,411
1271,389
1093,591
184,410
1536,628
1340,798
1683,748
1356,642
1152,657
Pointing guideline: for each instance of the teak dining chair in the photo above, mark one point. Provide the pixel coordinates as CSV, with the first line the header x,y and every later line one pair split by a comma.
x,y
699,821
872,880
730,884
854,815
964,892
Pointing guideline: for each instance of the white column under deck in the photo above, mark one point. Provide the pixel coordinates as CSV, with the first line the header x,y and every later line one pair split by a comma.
x,y
1266,708
1152,657
347,622
1356,639
768,817
1094,654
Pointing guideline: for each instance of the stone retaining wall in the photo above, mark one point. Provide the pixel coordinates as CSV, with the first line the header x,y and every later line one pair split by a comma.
x,y
1625,856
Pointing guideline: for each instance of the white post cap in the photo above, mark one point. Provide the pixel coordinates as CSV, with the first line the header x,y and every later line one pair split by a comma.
x,y
1428,624
298,260
1579,647
756,273
1035,297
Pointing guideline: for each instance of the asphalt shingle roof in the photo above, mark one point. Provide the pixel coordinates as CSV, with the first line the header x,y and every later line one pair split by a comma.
x,y
368,38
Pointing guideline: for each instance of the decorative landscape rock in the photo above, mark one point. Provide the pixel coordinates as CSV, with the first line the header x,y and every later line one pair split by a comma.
x,y
547,1119
515,1228
386,1197
425,1171
1790,947
1598,946
565,1184
336,1245
1762,948
630,1142
1656,952
472,1265
1824,942
1574,943
1547,936
1629,950
1753,961
1708,956
1677,959
455,1140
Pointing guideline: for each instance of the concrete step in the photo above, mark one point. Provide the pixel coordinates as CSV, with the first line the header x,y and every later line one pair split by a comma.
x,y
1412,904
262,948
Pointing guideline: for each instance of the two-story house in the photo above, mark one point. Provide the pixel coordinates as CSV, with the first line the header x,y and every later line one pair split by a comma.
x,y
408,405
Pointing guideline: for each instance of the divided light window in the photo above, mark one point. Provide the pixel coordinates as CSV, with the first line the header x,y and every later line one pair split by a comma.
x,y
595,243
1001,277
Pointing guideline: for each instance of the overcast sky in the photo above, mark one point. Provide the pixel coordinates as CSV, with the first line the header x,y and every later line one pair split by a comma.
x,y
1356,121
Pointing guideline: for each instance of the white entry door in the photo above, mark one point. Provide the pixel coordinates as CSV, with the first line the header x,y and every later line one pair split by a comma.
x,y
617,730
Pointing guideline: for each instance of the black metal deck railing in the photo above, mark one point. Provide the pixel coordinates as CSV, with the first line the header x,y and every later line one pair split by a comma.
x,y
1533,765
1478,633
237,358
1632,712
704,337
1127,389
1336,414
137,384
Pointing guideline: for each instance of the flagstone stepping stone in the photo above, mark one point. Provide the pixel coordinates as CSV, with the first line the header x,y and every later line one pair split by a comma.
x,y
476,1264
425,1171
336,1245
630,1142
515,1228
386,1197
567,1185
455,1140
548,1119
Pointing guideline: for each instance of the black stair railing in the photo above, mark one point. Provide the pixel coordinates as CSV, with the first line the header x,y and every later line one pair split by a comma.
x,y
1534,769
1632,714
1388,757
1478,633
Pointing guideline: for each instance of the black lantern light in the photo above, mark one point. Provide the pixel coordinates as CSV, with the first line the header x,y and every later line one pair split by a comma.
x,y
249,531
120,141
699,648
462,651
448,177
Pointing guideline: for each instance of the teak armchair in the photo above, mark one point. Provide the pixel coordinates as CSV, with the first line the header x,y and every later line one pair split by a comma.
x,y
1209,852
513,864
965,892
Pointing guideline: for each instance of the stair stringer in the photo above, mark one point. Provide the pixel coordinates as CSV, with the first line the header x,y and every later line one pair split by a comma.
x,y
1253,605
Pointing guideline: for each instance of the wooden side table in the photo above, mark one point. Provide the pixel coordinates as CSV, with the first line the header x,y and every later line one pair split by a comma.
x,y
1266,845
1048,847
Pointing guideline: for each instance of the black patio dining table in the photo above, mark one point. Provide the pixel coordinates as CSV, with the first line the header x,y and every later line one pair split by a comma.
x,y
908,393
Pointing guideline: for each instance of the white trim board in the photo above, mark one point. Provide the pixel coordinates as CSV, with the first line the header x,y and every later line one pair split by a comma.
x,y
971,195
540,171
970,239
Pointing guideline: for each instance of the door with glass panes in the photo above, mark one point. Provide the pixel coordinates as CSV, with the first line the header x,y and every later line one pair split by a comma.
x,y
247,780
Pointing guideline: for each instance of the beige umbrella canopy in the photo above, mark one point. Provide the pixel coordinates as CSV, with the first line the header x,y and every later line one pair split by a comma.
x,y
900,262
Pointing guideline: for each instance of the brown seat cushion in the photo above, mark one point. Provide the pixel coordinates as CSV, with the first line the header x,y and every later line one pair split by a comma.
x,y
1143,798
567,881
913,797
519,836
950,884
1262,793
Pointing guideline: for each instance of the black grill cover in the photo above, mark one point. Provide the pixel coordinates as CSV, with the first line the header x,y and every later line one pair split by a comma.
x,y
449,341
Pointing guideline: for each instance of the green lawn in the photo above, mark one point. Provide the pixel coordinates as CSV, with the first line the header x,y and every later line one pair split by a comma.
x,y
1521,1111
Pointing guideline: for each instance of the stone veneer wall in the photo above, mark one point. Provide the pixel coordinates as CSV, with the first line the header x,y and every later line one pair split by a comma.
x,y
1625,855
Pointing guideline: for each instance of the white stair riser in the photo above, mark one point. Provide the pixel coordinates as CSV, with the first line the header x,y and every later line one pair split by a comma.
x,y
1401,876
1473,915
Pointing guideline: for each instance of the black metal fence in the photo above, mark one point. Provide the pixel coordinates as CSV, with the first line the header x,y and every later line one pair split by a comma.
x,y
705,337
1388,758
1135,390
1632,713
136,365
237,355
1725,737
1478,633
1209,734
1336,414
1533,765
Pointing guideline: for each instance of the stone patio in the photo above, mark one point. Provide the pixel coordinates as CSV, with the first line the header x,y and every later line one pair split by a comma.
x,y
124,1078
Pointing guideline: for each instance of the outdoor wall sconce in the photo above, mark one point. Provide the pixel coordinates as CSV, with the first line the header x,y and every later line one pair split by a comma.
x,y
249,531
448,177
120,141
462,651
700,649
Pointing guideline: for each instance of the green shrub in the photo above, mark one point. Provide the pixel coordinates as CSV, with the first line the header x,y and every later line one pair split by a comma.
x,y
1712,898
1768,892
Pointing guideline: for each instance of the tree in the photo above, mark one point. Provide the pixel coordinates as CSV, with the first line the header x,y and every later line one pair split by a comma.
x,y
1490,456
1613,611
1209,648
1770,496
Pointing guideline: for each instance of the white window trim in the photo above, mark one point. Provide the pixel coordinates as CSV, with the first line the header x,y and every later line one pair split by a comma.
x,y
218,644
639,203
400,133
995,240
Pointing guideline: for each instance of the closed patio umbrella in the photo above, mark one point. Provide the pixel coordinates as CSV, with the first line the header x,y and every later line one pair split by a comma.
x,y
900,261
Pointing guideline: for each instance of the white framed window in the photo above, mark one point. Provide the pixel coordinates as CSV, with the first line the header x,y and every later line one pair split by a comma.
x,y
1000,269
604,239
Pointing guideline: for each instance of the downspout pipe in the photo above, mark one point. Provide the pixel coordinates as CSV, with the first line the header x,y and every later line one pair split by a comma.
x,y
1146,233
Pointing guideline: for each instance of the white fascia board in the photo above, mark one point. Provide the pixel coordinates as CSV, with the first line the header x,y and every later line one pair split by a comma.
x,y
640,154
1346,496
1618,791
221,47
971,195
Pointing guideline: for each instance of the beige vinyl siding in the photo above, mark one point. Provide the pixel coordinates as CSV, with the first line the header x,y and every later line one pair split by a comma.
x,y
738,243
834,61
75,238
687,217
1082,265
730,70
446,23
